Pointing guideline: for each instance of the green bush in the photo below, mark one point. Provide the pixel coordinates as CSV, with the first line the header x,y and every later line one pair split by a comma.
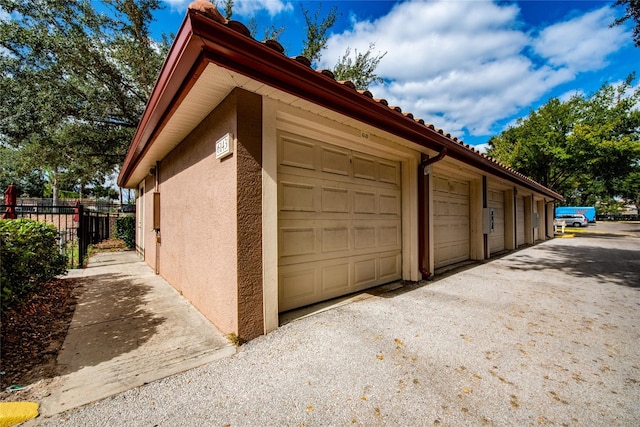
x,y
29,257
126,230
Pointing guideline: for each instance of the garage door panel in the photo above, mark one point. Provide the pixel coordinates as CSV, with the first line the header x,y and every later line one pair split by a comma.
x,y
335,239
496,201
364,202
364,237
339,224
389,172
390,235
304,241
335,200
297,285
364,168
297,154
297,197
304,284
297,241
451,220
335,161
335,278
389,204
520,221
365,271
390,266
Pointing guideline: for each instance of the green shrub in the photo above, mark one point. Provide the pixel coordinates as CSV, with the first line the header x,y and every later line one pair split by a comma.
x,y
29,257
126,230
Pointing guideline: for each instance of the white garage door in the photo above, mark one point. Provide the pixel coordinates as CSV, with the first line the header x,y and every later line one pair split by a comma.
x,y
519,221
496,239
339,222
450,220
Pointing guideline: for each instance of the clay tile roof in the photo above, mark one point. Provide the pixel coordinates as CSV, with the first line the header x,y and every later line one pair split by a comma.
x,y
208,9
273,44
381,101
408,115
396,108
421,121
239,27
328,73
303,60
365,93
348,84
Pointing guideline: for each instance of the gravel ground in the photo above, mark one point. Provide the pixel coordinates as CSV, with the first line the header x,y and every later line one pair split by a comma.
x,y
545,336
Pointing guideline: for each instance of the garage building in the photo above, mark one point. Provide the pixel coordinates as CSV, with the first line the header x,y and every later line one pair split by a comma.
x,y
265,185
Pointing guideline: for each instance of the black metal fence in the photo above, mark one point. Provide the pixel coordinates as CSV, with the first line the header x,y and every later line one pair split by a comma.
x,y
77,227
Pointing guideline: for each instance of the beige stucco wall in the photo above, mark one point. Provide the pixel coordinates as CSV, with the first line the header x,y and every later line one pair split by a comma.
x,y
198,220
210,236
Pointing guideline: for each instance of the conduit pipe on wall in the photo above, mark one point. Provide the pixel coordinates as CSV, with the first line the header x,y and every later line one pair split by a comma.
x,y
423,171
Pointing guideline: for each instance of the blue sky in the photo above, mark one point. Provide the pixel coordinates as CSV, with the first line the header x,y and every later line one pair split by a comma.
x,y
470,67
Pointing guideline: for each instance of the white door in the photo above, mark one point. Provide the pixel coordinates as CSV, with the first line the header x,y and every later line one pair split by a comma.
x,y
450,220
496,239
519,221
339,221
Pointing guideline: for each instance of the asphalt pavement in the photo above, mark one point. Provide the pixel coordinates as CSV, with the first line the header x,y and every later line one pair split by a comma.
x,y
543,336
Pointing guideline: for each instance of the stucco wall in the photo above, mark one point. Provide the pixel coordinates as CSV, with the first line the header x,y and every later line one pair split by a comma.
x,y
211,218
198,219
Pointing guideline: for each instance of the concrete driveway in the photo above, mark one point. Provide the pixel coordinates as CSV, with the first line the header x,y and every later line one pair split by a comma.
x,y
545,336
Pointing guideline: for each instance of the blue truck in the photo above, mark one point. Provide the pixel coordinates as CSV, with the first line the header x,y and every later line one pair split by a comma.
x,y
588,211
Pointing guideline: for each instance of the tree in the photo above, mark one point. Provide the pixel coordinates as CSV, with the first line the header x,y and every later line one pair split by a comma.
x,y
632,11
75,81
540,146
13,170
630,188
361,70
317,29
582,148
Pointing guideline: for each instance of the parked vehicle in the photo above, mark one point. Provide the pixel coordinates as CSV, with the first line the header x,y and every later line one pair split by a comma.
x,y
573,220
588,211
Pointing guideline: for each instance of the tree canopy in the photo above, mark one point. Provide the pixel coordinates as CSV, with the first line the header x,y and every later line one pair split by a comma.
x,y
76,75
359,67
632,12
585,148
74,82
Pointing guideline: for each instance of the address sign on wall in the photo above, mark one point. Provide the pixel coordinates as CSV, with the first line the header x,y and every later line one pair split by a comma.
x,y
224,146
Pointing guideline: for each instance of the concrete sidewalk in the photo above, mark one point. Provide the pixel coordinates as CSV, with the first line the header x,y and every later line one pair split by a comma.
x,y
130,327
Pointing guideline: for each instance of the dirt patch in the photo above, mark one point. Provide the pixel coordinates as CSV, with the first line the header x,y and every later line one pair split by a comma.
x,y
33,334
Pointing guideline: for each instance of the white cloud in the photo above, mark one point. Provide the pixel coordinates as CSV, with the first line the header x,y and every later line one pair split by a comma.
x,y
570,94
242,7
582,43
273,7
465,65
482,147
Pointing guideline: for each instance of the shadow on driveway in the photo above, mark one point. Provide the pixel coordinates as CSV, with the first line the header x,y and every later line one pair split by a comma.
x,y
616,265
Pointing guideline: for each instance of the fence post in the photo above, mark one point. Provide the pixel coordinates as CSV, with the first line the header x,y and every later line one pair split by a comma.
x,y
82,235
